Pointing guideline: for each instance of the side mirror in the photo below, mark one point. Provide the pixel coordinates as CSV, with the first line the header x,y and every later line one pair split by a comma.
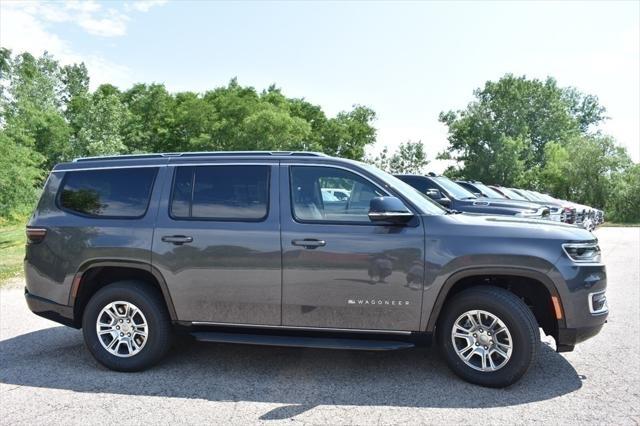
x,y
437,196
434,194
444,201
388,209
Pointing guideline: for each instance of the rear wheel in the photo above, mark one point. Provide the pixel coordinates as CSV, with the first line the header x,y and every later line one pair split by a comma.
x,y
488,336
126,326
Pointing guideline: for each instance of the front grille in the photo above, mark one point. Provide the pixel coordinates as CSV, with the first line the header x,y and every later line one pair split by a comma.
x,y
568,215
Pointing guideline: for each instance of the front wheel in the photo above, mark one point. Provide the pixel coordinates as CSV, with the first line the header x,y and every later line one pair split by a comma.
x,y
126,326
488,336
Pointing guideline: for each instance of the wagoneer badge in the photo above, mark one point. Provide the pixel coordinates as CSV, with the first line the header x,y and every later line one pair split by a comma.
x,y
377,302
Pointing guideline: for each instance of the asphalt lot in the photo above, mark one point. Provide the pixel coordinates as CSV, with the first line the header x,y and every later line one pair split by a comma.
x,y
47,377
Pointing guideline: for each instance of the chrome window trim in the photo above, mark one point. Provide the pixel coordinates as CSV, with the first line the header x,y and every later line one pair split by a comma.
x,y
391,214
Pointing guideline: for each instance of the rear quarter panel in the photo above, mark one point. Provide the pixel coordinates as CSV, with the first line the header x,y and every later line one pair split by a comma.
x,y
74,240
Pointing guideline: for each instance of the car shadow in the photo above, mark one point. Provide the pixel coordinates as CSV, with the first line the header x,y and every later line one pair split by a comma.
x,y
298,378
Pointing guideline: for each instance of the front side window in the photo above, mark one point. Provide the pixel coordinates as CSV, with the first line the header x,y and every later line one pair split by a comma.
x,y
116,193
221,193
313,199
455,190
490,192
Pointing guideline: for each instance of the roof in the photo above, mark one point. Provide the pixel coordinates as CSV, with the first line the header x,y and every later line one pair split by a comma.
x,y
160,159
201,154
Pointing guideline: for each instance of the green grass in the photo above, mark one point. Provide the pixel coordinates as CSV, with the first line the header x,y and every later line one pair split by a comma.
x,y
12,241
620,225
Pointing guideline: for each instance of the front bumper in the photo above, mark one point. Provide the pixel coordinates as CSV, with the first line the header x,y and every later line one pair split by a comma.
x,y
569,337
576,284
50,310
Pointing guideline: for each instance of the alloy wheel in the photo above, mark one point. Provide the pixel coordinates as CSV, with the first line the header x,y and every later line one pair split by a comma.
x,y
122,329
482,340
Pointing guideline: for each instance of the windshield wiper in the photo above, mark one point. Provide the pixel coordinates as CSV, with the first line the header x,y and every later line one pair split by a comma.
x,y
449,211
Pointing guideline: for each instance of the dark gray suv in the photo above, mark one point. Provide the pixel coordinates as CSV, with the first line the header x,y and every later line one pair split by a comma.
x,y
255,248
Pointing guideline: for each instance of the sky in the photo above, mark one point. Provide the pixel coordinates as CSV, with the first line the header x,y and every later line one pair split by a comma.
x,y
407,60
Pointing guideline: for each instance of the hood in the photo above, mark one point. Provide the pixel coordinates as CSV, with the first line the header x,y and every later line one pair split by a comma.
x,y
515,227
504,202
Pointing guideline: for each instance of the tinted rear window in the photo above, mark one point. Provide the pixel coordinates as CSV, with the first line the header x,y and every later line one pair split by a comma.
x,y
118,193
221,193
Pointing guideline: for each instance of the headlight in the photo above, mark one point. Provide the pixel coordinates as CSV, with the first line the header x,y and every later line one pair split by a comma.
x,y
582,252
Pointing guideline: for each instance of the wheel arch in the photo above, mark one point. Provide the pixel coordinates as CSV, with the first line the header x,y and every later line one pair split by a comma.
x,y
95,274
477,276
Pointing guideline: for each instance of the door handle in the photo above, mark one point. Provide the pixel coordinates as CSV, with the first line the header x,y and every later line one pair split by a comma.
x,y
309,243
177,239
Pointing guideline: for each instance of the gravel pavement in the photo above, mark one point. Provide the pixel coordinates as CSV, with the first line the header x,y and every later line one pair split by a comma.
x,y
47,377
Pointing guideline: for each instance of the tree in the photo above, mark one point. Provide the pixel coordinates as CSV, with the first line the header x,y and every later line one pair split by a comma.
x,y
623,204
410,157
150,119
583,168
20,174
32,115
526,115
349,133
101,124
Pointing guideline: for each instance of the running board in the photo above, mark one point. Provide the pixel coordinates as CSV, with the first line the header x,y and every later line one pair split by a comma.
x,y
301,342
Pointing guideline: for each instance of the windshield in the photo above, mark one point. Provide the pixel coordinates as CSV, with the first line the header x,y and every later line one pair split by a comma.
x,y
547,197
512,194
456,191
516,195
490,192
423,202
534,196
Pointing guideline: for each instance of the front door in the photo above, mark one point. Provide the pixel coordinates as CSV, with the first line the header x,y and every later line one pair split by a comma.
x,y
217,242
339,269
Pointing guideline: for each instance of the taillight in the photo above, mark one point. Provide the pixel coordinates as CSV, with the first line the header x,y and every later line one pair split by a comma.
x,y
36,235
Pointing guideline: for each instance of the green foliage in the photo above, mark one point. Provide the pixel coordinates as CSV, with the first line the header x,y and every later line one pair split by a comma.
x,y
624,203
19,174
583,168
517,131
12,241
533,134
533,112
101,124
49,115
409,158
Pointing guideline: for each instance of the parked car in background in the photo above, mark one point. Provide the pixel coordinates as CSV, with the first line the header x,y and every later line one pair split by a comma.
x,y
339,193
583,216
479,189
556,212
453,196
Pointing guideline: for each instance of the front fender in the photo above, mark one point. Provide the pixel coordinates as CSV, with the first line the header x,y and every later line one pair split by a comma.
x,y
435,294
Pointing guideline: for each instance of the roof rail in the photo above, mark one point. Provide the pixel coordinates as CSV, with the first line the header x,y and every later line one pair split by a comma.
x,y
200,154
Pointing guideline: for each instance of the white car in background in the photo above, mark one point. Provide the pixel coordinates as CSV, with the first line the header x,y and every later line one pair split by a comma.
x,y
339,193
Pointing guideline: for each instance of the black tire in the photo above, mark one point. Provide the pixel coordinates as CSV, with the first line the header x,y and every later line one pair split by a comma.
x,y
517,317
150,303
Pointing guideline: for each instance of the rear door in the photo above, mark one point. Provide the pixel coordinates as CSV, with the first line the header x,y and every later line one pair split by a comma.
x,y
340,270
217,242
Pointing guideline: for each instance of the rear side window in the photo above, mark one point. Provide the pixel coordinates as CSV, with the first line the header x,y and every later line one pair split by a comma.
x,y
115,193
221,193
